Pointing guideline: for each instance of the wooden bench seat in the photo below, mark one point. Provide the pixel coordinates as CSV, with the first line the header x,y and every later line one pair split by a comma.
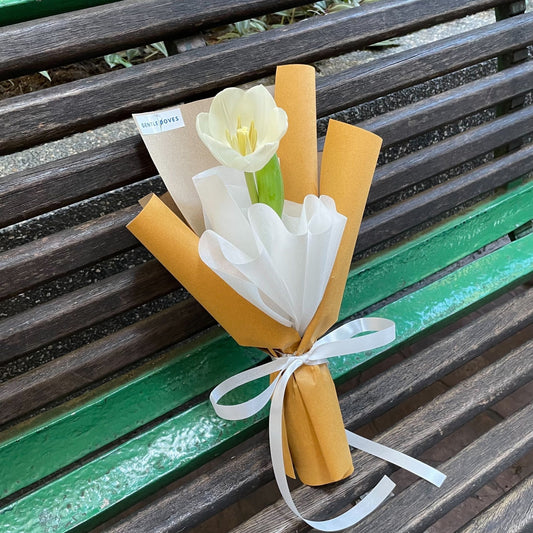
x,y
507,510
225,481
107,361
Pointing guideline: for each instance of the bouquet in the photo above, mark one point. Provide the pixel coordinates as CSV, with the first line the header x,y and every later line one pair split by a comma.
x,y
265,245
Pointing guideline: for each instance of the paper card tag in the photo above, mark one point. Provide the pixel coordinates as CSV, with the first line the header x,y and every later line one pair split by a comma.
x,y
178,153
161,121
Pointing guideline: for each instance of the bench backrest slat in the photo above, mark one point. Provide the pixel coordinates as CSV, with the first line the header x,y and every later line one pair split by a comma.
x,y
71,248
435,111
74,311
16,11
82,308
97,31
363,83
460,148
79,105
95,361
59,253
412,212
40,189
123,25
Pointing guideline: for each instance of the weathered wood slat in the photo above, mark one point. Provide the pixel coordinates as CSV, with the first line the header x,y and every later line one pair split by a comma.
x,y
414,211
437,158
149,424
67,314
94,361
49,257
417,507
366,285
48,186
62,110
58,183
362,83
415,433
511,512
418,118
114,27
199,431
224,483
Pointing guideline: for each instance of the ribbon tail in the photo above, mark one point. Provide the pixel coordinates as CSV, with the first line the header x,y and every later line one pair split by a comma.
x,y
400,459
356,513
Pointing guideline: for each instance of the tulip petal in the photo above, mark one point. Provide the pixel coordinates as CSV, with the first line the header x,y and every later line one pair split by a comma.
x,y
261,104
223,112
235,106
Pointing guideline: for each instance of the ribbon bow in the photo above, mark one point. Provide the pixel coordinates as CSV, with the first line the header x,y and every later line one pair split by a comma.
x,y
337,343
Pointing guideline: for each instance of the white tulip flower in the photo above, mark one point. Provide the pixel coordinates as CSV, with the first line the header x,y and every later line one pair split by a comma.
x,y
243,128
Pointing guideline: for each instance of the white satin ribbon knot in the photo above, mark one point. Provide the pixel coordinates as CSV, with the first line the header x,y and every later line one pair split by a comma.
x,y
337,343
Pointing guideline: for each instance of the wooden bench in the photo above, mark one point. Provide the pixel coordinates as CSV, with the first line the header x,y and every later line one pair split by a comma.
x,y
107,362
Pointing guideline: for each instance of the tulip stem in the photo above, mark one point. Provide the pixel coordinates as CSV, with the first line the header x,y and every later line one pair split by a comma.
x,y
270,185
252,188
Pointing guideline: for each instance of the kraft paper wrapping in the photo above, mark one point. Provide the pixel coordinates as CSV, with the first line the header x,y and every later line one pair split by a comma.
x,y
295,93
315,438
175,245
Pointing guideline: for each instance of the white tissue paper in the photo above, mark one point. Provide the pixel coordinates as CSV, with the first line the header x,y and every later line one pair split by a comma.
x,y
282,266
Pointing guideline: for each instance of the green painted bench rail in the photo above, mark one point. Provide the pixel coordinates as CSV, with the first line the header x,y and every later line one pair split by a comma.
x,y
14,11
177,445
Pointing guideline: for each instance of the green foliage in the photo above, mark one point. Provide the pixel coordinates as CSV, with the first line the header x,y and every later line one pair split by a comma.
x,y
282,18
45,74
128,58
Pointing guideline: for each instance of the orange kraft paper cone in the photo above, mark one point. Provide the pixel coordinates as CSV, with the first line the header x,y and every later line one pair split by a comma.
x,y
315,438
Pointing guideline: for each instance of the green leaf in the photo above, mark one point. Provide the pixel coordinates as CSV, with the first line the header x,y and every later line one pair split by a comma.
x,y
45,74
160,47
385,44
116,59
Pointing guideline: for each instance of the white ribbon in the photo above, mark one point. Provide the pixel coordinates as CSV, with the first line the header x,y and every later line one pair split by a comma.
x,y
339,342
